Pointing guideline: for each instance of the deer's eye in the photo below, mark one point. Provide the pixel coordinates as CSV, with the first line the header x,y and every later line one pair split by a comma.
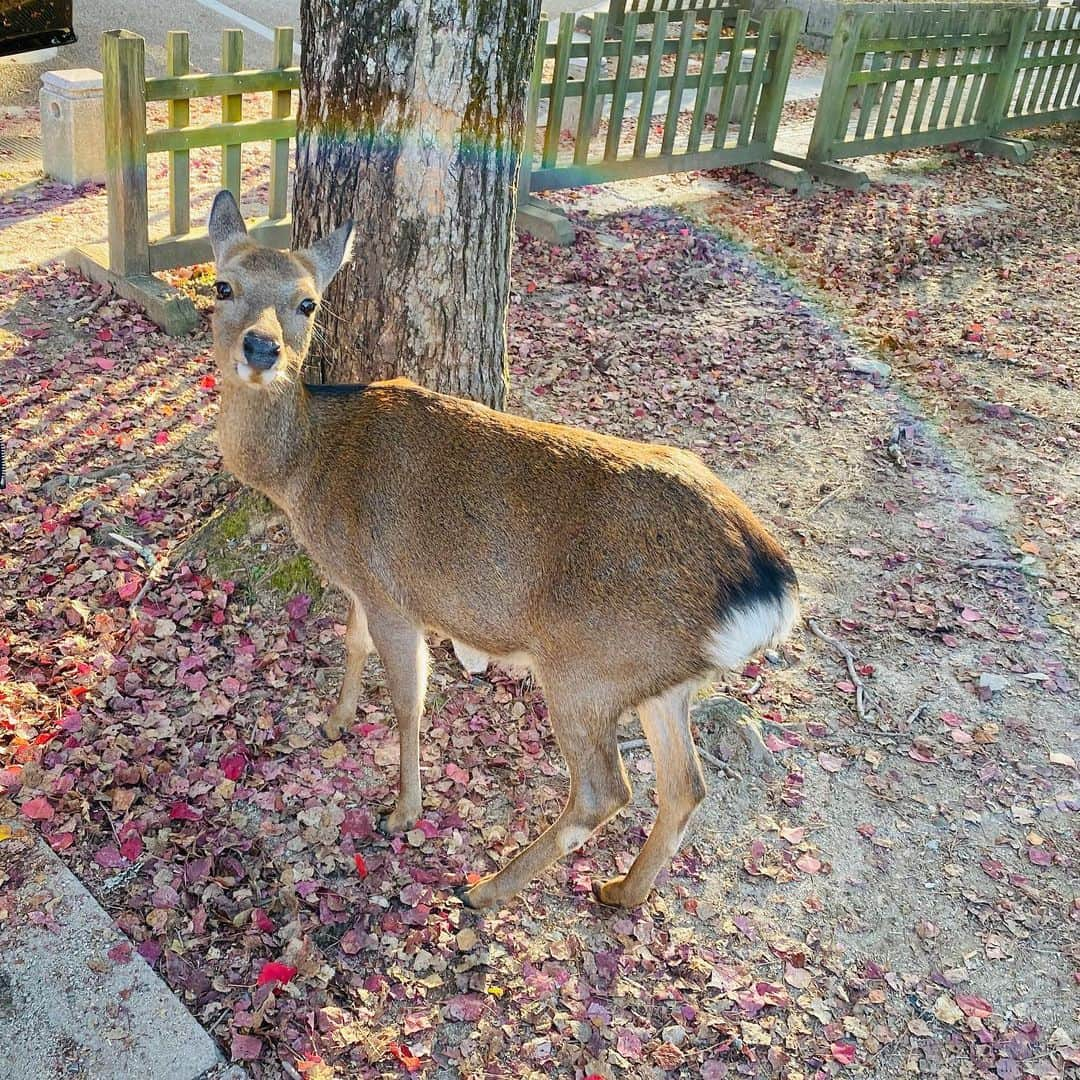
x,y
307,307
223,290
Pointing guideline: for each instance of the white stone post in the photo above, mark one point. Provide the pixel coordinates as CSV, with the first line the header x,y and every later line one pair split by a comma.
x,y
73,125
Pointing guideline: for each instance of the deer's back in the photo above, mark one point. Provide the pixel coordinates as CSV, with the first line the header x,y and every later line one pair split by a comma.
x,y
514,535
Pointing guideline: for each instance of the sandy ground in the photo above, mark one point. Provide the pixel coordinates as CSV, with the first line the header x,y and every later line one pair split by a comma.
x,y
897,898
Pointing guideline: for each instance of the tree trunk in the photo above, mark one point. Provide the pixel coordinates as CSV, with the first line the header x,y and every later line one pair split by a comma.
x,y
411,120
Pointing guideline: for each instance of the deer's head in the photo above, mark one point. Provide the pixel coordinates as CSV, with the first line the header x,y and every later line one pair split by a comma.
x,y
267,299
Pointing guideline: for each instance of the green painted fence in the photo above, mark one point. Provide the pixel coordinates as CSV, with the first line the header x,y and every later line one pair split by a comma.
x,y
723,76
127,90
1046,83
928,75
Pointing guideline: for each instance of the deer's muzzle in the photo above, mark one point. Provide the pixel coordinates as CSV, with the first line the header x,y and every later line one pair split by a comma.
x,y
261,352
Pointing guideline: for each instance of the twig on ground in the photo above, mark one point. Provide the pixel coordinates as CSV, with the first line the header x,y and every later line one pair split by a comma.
x,y
727,770
94,305
155,567
849,658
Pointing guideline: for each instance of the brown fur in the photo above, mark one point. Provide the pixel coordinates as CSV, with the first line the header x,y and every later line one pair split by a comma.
x,y
604,564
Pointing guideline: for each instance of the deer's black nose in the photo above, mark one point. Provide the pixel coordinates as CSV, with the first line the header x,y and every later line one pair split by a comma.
x,y
260,351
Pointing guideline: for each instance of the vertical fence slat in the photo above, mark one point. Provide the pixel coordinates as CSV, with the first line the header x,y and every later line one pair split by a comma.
x,y
704,83
771,103
123,60
1064,96
598,26
915,59
888,91
831,118
959,83
933,62
628,29
558,89
757,74
869,96
732,78
1068,52
1040,76
678,83
1055,71
177,63
648,93
941,95
232,109
532,111
280,107
1020,101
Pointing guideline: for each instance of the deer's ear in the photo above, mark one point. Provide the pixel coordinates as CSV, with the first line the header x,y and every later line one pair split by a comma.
x,y
226,225
328,255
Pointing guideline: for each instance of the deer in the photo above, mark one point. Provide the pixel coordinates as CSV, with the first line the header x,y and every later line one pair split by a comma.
x,y
621,575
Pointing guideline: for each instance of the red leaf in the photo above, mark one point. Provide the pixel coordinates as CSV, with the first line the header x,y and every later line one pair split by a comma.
x,y
181,811
132,848
245,1048
161,437
233,766
402,1055
38,809
844,1052
971,1005
273,971
262,921
361,866
1040,856
58,841
208,382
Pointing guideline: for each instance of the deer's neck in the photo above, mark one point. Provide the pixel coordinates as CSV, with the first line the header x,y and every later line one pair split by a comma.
x,y
263,436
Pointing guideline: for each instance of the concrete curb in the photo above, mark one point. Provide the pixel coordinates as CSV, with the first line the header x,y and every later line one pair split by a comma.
x,y
77,1002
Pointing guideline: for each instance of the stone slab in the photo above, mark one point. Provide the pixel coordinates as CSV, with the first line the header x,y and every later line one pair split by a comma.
x,y
69,1010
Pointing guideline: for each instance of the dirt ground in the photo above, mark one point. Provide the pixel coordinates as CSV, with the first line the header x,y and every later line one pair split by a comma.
x,y
896,898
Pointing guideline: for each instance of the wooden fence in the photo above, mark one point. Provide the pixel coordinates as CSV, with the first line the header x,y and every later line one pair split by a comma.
x,y
727,72
924,75
1046,83
128,260
127,91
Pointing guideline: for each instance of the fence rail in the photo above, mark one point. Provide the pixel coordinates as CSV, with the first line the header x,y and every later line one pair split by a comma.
x,y
1046,85
930,75
130,141
727,71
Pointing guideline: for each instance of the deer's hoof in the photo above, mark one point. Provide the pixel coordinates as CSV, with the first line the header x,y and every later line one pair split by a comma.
x,y
397,821
335,726
613,893
476,896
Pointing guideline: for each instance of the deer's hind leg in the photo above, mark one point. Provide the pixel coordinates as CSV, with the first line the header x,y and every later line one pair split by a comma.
x,y
598,791
680,790
358,647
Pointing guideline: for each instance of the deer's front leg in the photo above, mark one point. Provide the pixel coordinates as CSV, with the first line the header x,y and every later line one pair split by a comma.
x,y
404,655
358,647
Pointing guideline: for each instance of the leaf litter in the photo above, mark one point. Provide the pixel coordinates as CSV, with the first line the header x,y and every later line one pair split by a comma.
x,y
895,899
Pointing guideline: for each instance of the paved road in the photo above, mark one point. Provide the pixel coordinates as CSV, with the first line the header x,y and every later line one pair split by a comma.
x,y
203,19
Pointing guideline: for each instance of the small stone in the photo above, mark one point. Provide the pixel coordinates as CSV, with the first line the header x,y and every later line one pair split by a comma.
x,y
866,366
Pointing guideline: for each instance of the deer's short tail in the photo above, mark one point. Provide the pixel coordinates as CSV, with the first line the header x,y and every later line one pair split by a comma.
x,y
760,614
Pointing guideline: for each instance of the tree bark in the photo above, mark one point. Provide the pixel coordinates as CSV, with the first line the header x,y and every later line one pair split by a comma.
x,y
411,121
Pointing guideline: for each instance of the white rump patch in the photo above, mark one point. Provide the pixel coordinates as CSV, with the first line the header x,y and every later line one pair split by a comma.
x,y
472,660
746,631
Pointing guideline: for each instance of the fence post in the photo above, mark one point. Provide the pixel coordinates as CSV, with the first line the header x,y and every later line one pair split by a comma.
x,y
177,63
998,90
282,107
830,110
232,109
123,61
771,103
